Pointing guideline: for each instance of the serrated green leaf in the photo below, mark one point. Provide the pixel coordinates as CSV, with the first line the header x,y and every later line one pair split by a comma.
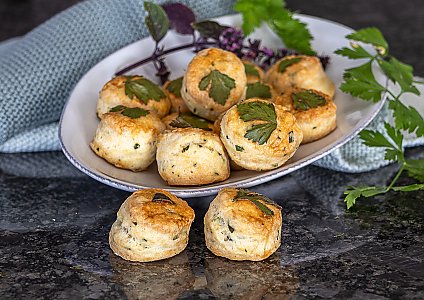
x,y
117,108
220,86
258,90
399,73
356,52
132,112
209,29
157,21
407,118
353,193
305,100
394,134
260,133
371,35
409,188
360,82
188,120
250,70
257,110
143,89
374,139
175,86
285,63
415,168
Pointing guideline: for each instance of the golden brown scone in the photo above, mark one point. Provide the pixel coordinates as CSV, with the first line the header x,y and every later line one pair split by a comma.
x,y
173,90
315,122
254,73
299,71
260,154
191,156
151,224
207,72
242,225
115,93
185,120
126,142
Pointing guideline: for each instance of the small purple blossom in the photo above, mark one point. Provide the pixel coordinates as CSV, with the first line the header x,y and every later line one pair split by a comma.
x,y
231,39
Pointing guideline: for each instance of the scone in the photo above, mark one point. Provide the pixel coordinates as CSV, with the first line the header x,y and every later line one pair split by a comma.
x,y
315,112
260,135
242,225
173,89
191,156
186,120
215,80
254,73
126,137
299,71
132,91
151,224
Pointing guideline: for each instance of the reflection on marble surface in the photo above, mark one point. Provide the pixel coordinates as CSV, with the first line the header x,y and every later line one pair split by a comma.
x,y
54,224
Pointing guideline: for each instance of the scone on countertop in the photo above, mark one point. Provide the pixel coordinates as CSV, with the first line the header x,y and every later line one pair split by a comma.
x,y
126,137
133,91
260,135
242,225
151,224
191,156
299,71
214,81
315,112
173,89
186,120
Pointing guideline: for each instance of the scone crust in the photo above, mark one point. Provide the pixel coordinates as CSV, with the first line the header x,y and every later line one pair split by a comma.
x,y
238,230
201,65
274,153
125,142
148,231
308,73
191,156
113,94
315,122
177,103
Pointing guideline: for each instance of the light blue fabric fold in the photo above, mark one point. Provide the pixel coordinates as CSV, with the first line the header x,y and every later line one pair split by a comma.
x,y
39,70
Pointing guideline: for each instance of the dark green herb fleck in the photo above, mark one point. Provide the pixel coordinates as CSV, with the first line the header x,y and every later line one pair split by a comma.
x,y
136,145
185,148
257,200
291,137
285,63
239,148
159,197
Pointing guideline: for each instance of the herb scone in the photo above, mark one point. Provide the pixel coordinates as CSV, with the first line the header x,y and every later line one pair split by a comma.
x,y
214,81
126,137
151,224
132,91
260,135
299,71
315,112
191,156
242,225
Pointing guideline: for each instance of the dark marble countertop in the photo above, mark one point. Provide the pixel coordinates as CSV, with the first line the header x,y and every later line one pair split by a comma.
x,y
54,220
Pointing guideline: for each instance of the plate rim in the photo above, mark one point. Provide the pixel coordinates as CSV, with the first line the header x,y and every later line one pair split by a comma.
x,y
208,190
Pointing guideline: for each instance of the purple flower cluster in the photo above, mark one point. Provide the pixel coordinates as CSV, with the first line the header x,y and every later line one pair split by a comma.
x,y
231,39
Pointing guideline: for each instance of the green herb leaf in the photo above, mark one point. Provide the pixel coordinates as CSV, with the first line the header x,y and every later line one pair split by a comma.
x,y
186,121
306,100
285,63
209,29
357,52
250,70
220,86
409,188
239,148
260,133
407,118
294,33
132,112
157,21
143,89
360,82
256,199
371,35
258,90
399,73
175,86
415,168
376,139
257,110
159,197
353,193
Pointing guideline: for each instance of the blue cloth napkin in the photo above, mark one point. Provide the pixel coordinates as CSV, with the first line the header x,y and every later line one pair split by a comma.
x,y
39,71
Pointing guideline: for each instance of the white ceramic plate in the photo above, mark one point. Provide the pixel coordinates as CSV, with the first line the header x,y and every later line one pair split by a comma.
x,y
79,121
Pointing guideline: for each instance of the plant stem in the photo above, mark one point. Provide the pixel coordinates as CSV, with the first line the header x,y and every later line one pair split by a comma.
x,y
396,177
155,57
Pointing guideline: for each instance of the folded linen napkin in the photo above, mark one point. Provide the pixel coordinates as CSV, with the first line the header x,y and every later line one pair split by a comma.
x,y
39,70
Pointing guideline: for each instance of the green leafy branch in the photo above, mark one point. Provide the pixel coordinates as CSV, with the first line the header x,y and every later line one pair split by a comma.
x,y
360,82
